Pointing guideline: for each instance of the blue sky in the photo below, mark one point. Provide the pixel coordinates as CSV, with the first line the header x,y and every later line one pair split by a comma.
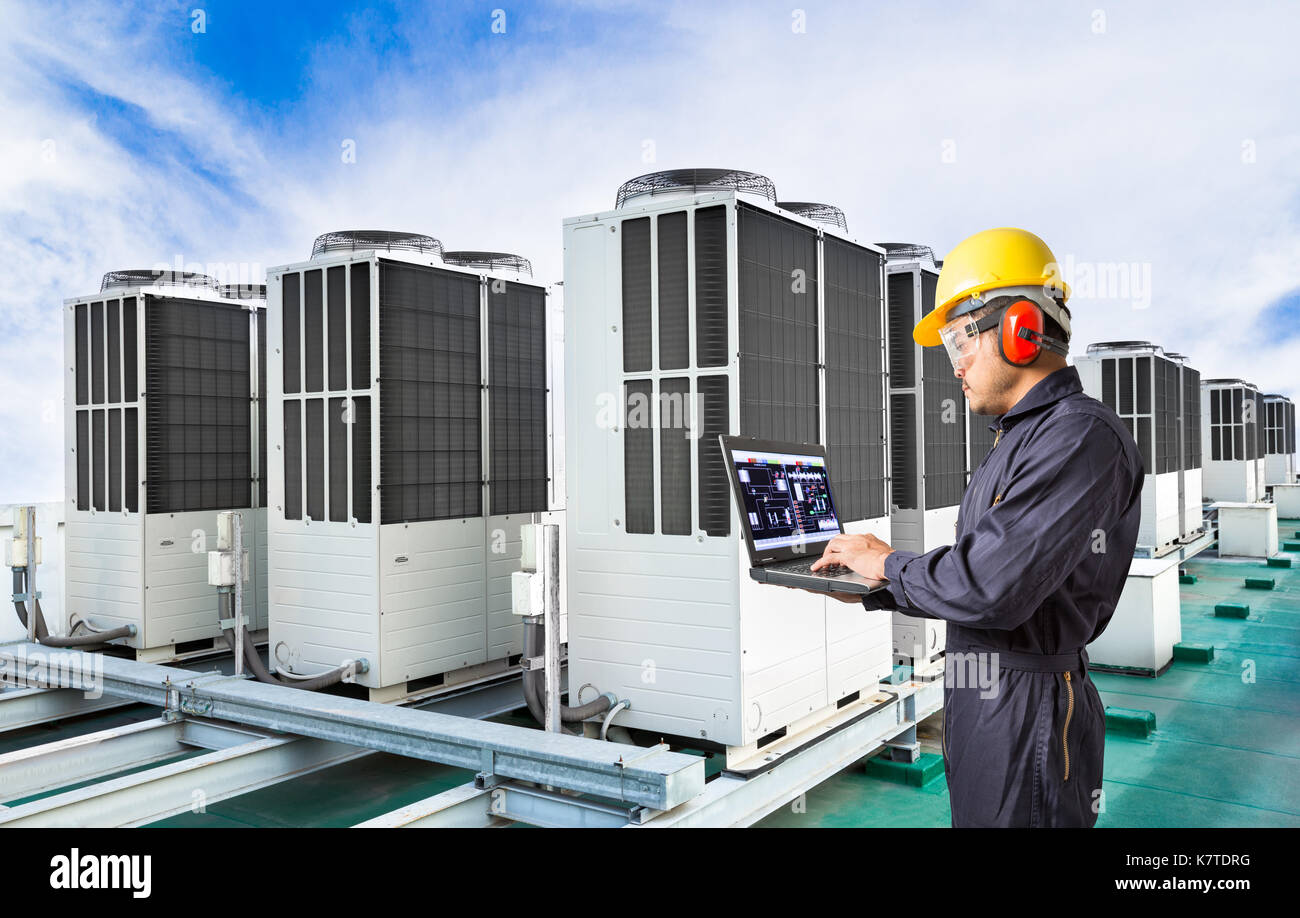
x,y
1155,146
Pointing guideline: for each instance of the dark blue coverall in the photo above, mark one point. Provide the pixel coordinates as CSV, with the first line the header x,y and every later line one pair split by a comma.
x,y
1045,536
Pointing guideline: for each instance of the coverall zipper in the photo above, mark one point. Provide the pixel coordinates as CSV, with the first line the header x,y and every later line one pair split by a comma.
x,y
1065,731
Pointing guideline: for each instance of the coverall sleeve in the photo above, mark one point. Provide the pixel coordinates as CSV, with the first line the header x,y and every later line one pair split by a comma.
x,y
1066,483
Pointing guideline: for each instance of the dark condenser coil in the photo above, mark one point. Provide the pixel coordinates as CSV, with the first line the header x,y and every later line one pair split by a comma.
x,y
198,425
778,327
148,277
904,460
430,450
671,180
902,365
1257,434
489,261
818,213
855,407
943,419
517,446
1191,418
375,240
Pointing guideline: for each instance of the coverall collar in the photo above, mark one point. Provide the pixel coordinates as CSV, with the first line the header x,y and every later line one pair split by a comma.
x,y
1051,388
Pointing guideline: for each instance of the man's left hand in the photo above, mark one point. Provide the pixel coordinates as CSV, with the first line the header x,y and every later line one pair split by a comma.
x,y
862,554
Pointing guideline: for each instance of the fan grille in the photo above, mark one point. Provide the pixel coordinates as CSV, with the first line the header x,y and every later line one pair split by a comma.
x,y
909,251
388,240
820,213
244,291
695,179
148,277
489,260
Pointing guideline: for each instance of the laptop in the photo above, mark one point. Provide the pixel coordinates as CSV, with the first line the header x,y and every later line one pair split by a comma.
x,y
787,512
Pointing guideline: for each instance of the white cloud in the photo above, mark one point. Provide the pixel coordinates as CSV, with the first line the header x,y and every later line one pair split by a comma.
x,y
1118,148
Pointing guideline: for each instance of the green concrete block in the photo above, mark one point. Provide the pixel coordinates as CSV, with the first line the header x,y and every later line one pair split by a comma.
x,y
1194,653
915,774
1291,546
1186,578
1279,562
1130,722
1259,583
1231,610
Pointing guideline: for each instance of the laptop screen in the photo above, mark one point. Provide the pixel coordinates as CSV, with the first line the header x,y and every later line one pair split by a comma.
x,y
787,498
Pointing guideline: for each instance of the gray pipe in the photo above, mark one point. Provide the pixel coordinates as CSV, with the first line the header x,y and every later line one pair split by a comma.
x,y
533,692
260,672
96,641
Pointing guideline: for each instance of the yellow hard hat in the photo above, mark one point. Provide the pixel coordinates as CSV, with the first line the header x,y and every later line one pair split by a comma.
x,y
1002,257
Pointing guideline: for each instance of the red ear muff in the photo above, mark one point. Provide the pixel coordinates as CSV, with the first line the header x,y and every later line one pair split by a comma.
x,y
1018,351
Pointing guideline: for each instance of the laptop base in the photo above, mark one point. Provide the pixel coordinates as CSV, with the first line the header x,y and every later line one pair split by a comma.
x,y
848,582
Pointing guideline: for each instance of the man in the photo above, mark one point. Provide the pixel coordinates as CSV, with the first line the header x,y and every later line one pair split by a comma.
x,y
1045,535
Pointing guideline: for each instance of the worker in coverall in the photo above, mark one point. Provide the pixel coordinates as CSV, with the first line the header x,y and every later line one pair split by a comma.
x,y
1044,538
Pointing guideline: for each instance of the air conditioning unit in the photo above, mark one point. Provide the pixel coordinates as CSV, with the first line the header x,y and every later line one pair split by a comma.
x,y
164,430
1232,440
410,422
696,308
1279,440
1156,394
927,440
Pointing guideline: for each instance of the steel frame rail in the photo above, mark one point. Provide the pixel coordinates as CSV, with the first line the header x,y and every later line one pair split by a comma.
x,y
654,778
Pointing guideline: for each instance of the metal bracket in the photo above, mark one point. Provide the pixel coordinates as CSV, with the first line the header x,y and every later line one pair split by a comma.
x,y
532,664
172,712
903,752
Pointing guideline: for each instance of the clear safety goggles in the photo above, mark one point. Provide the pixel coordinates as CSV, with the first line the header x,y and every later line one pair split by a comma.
x,y
962,339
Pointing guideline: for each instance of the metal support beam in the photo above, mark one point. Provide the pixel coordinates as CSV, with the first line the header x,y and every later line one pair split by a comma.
x,y
728,800
40,769
656,778
27,707
184,786
464,807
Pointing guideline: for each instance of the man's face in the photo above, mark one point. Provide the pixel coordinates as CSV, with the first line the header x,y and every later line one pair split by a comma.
x,y
986,378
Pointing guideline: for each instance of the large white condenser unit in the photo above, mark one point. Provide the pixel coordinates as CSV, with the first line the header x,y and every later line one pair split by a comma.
x,y
1279,440
697,307
409,417
163,430
1232,440
1157,396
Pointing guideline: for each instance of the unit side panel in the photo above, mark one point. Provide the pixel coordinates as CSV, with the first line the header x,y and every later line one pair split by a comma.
x,y
104,569
434,613
179,603
324,597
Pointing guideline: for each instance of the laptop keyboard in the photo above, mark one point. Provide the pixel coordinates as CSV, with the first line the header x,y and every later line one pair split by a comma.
x,y
804,566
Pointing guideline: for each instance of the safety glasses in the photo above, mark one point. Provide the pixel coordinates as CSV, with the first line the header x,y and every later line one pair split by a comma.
x,y
962,340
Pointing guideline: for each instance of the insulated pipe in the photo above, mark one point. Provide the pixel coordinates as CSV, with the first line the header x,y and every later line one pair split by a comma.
x,y
43,636
613,712
254,661
532,693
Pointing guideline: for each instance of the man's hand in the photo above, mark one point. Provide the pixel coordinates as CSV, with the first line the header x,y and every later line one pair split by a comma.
x,y
862,554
